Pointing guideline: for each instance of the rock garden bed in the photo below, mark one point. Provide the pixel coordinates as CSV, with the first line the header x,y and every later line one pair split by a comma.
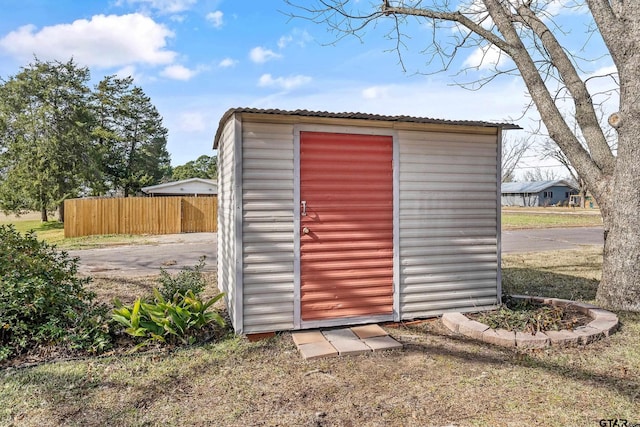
x,y
560,323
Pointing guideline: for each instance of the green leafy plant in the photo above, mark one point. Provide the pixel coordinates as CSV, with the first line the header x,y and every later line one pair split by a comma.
x,y
161,320
43,301
187,279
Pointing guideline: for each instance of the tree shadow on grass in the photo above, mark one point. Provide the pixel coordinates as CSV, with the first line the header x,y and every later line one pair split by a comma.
x,y
466,350
538,282
51,225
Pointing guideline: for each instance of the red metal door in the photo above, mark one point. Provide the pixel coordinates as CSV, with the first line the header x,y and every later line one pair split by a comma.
x,y
346,236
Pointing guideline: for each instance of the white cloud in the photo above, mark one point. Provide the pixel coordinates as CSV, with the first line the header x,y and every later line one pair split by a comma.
x,y
261,55
163,6
284,41
286,83
215,18
128,71
227,63
192,122
178,72
477,12
375,92
564,7
103,41
299,37
486,57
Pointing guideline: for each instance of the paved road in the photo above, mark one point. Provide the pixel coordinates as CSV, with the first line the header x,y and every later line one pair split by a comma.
x,y
173,252
548,239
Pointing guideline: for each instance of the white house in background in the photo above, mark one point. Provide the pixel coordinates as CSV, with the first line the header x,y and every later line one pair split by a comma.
x,y
197,187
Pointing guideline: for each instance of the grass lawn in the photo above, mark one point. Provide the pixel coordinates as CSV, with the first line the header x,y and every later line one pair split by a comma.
x,y
521,218
439,378
53,232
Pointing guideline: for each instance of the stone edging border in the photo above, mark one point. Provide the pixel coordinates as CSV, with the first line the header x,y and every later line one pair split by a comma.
x,y
604,323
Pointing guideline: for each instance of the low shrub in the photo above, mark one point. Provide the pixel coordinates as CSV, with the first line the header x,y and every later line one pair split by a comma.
x,y
187,279
42,300
162,320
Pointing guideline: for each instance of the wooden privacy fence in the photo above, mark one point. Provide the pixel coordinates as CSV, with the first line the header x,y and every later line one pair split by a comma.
x,y
140,215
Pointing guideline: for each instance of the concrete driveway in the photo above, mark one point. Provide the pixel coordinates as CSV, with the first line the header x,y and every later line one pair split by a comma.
x,y
171,252
175,251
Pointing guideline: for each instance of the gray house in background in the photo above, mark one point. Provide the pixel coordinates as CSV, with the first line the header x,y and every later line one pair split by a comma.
x,y
537,193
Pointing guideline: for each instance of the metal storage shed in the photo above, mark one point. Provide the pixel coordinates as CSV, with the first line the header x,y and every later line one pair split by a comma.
x,y
333,219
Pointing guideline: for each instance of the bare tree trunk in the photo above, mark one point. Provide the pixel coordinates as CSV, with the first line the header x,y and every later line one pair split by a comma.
x,y
61,212
620,285
43,208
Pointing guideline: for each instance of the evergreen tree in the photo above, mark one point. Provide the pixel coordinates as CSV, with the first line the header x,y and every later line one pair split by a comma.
x,y
130,139
45,127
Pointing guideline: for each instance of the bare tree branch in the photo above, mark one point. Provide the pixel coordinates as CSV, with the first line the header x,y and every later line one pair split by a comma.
x,y
585,113
512,152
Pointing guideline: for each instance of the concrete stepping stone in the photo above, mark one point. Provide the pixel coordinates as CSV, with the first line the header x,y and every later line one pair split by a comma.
x,y
382,343
369,331
317,350
350,346
343,341
340,334
307,337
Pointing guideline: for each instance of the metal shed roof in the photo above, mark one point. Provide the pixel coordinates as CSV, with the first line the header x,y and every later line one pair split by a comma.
x,y
532,187
357,116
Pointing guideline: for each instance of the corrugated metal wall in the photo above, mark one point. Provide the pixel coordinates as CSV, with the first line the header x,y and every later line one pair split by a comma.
x,y
346,181
448,231
226,220
268,197
448,228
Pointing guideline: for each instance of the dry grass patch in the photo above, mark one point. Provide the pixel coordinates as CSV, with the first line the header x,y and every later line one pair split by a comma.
x,y
438,379
127,289
511,220
570,274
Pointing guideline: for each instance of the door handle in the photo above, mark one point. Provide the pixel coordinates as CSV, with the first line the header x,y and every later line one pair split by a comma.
x,y
304,208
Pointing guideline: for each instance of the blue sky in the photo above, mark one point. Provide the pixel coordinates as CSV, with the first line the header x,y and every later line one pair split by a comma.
x,y
198,58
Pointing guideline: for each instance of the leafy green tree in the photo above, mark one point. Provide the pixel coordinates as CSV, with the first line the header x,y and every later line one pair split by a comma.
x,y
203,167
45,140
130,139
